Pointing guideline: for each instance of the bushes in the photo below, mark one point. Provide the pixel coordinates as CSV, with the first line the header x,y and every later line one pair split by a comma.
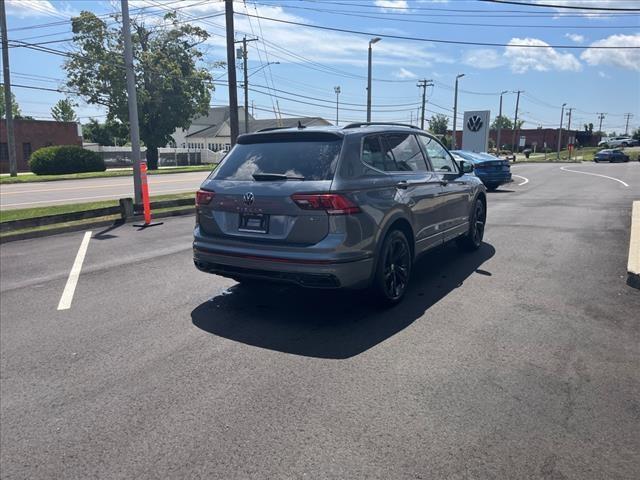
x,y
65,159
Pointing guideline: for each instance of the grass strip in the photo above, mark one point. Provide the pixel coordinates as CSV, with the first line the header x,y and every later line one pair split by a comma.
x,y
24,213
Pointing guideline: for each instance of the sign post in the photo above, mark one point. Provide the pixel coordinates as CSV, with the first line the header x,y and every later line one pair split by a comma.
x,y
475,131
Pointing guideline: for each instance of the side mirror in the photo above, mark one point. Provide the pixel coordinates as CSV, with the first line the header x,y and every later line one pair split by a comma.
x,y
466,167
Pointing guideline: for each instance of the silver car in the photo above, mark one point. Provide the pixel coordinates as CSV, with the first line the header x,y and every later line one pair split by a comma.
x,y
332,207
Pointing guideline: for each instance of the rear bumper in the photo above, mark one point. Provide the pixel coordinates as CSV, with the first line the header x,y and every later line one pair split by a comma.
x,y
308,269
497,178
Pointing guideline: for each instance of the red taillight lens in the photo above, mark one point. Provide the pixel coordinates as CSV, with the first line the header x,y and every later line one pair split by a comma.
x,y
332,203
203,197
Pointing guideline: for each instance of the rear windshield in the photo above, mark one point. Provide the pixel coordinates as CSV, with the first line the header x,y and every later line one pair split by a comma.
x,y
310,159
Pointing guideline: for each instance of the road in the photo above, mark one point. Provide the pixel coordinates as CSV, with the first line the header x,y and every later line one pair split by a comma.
x,y
26,195
521,360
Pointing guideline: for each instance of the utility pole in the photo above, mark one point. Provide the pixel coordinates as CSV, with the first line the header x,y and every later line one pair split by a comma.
x,y
371,42
8,103
455,111
245,56
515,124
132,101
231,73
560,131
424,84
499,132
569,130
337,90
626,128
600,117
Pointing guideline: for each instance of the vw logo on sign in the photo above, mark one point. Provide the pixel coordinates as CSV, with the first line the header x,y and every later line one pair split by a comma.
x,y
249,198
474,123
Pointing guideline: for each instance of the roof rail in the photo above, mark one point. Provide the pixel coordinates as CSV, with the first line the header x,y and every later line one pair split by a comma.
x,y
366,124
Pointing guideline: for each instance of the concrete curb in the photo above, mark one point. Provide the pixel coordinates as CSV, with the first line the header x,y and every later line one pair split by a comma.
x,y
633,265
86,226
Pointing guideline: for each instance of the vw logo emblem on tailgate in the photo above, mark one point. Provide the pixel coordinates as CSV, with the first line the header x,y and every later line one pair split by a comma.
x,y
474,123
249,198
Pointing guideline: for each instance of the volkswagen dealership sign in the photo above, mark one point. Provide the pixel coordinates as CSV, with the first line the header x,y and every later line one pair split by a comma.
x,y
475,132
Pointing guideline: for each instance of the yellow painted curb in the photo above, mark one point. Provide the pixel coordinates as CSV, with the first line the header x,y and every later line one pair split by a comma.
x,y
633,266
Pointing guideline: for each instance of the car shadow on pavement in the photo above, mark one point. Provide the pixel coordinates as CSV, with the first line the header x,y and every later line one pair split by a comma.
x,y
327,323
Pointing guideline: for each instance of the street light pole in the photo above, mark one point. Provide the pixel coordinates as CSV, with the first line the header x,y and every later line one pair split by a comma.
x,y
560,132
499,123
337,90
371,42
455,112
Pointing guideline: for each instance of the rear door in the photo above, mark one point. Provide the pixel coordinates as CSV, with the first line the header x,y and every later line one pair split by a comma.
x,y
417,187
254,184
456,190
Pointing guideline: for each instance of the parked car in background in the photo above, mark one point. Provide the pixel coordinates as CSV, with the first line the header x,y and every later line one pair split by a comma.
x,y
493,171
616,142
331,207
611,155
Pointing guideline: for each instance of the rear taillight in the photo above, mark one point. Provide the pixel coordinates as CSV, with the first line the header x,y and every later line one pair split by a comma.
x,y
332,203
204,197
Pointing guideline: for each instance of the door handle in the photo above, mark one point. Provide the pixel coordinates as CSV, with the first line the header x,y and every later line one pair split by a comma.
x,y
444,182
403,184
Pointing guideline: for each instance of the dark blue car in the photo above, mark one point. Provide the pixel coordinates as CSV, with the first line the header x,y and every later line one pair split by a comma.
x,y
614,155
492,170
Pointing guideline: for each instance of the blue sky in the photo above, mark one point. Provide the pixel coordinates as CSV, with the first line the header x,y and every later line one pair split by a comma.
x,y
313,61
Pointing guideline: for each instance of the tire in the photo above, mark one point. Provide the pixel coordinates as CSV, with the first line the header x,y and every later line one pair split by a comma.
x,y
393,269
473,239
492,188
625,144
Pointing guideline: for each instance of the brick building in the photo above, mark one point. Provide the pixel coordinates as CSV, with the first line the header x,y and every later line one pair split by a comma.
x,y
31,135
538,137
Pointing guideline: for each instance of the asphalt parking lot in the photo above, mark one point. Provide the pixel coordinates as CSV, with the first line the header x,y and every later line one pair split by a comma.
x,y
520,360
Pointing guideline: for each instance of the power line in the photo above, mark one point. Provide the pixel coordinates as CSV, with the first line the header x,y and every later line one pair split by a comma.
x,y
366,14
434,40
568,7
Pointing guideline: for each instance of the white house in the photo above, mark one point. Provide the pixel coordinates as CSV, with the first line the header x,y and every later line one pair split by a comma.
x,y
213,131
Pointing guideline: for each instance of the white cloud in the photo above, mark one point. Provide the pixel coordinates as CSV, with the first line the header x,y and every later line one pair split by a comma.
x,y
624,58
586,3
31,8
523,59
404,73
392,5
575,37
483,58
603,75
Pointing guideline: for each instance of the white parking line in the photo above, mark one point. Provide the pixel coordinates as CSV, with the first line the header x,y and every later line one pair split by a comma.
x,y
565,169
72,281
526,180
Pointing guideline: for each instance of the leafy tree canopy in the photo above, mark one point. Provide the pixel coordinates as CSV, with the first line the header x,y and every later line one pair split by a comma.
x,y
63,111
111,133
171,87
504,122
15,108
438,124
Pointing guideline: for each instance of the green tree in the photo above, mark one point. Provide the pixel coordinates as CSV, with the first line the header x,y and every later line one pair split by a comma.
x,y
111,133
171,87
15,108
63,111
588,127
438,124
504,122
636,134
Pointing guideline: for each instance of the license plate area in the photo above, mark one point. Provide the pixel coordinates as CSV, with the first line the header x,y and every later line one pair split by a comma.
x,y
254,223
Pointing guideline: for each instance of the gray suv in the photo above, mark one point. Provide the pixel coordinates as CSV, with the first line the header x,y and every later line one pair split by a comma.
x,y
332,207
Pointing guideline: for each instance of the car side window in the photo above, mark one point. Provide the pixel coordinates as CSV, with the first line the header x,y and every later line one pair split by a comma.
x,y
372,153
404,153
438,155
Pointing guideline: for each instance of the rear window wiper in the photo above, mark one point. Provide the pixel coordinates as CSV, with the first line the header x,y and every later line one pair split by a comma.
x,y
264,177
